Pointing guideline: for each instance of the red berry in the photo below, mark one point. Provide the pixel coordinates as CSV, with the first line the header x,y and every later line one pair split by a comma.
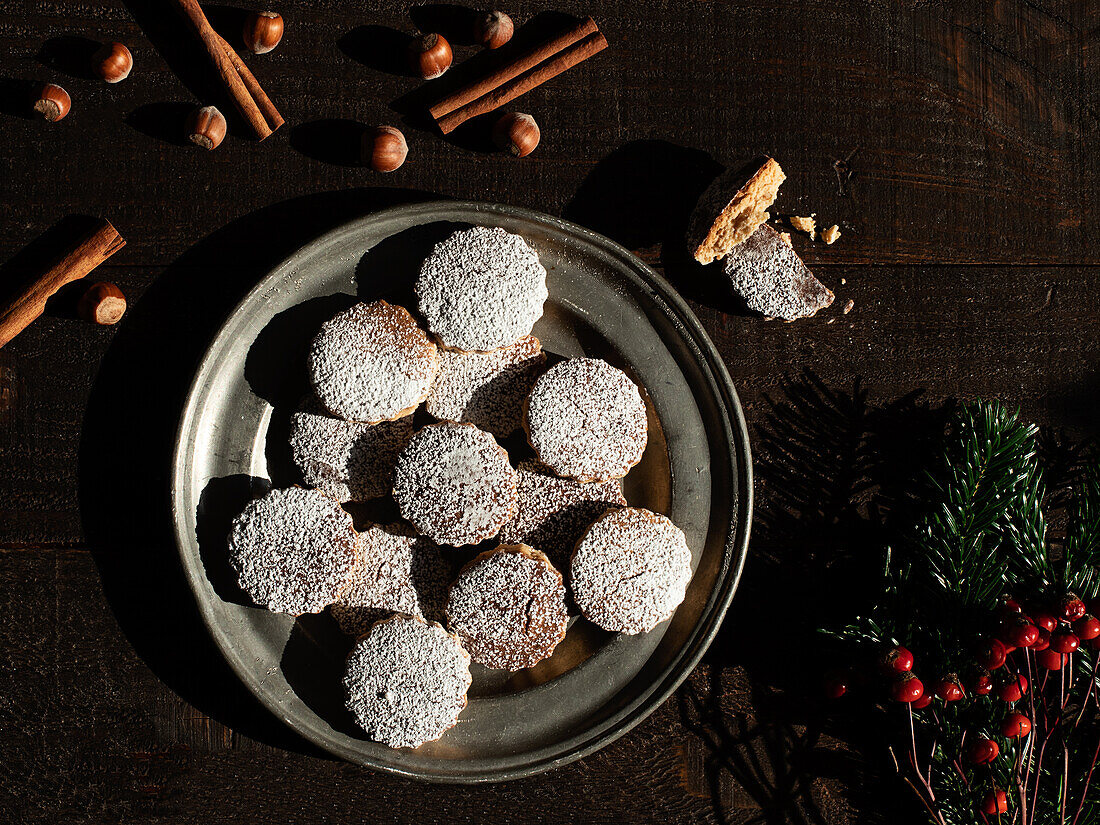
x,y
995,802
1013,688
982,751
1072,608
836,684
993,655
1043,642
949,688
1045,621
907,688
983,684
1012,606
1063,641
896,660
1087,627
1015,725
924,701
1051,659
1019,632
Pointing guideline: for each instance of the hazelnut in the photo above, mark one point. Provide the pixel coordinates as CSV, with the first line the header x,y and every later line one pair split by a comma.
x,y
516,133
51,101
262,31
112,62
206,127
493,29
384,148
101,303
430,55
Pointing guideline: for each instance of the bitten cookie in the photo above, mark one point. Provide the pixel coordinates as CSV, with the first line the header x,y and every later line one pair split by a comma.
x,y
294,550
406,681
586,420
486,388
630,570
400,573
348,460
508,607
372,363
481,289
455,484
772,279
554,512
731,209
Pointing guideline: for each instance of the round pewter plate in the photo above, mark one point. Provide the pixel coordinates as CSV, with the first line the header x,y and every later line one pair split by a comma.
x,y
604,302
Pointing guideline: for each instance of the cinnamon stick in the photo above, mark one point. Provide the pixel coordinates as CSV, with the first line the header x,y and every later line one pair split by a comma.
x,y
525,82
86,253
245,92
521,64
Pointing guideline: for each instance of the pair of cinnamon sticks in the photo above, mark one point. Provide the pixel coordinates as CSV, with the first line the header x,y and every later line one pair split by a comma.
x,y
526,72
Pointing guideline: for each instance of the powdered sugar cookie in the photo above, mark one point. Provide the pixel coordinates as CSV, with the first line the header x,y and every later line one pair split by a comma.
x,y
554,512
586,420
294,550
454,483
406,681
481,288
508,607
372,363
486,388
348,460
400,573
630,570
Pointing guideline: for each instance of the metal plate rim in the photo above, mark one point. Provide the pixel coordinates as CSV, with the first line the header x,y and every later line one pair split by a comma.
x,y
735,552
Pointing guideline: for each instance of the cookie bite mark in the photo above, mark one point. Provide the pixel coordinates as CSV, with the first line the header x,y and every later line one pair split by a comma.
x,y
508,608
481,288
405,681
372,363
294,550
454,483
486,389
586,420
400,572
630,570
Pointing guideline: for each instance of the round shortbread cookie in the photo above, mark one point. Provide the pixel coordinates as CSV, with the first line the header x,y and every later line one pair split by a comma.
x,y
586,420
454,483
553,512
372,363
481,288
294,550
508,607
400,573
630,570
486,389
348,460
406,681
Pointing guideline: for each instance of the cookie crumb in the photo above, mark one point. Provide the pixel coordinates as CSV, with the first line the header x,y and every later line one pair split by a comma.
x,y
807,225
849,306
786,237
831,234
843,281
831,321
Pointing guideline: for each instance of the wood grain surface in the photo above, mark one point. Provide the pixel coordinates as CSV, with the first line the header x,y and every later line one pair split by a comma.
x,y
956,145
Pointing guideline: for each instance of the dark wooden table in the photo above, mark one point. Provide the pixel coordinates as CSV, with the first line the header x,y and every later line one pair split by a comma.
x,y
956,145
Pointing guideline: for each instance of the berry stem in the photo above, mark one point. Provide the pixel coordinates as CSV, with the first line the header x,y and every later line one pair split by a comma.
x,y
1088,781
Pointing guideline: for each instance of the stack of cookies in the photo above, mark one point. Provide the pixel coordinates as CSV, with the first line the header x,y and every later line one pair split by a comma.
x,y
416,408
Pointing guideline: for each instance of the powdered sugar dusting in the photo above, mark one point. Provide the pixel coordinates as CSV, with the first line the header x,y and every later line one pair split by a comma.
x,y
481,288
400,573
554,512
406,681
348,460
508,608
486,388
454,483
769,275
630,570
587,420
294,550
372,363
